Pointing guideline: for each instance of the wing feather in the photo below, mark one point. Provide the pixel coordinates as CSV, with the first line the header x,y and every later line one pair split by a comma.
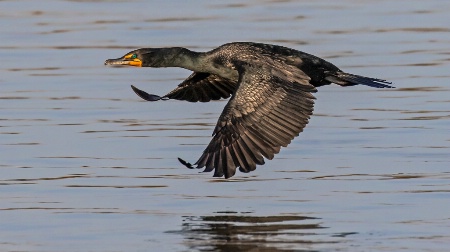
x,y
265,113
202,87
198,87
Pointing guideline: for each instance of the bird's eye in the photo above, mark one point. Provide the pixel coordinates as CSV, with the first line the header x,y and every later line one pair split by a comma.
x,y
134,56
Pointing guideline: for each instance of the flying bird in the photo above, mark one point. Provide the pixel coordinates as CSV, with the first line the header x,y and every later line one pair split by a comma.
x,y
271,100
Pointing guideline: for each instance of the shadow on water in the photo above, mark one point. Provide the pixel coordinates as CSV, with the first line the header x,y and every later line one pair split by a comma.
x,y
232,231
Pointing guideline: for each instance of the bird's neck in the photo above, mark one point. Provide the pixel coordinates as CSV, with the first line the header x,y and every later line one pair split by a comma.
x,y
190,60
203,62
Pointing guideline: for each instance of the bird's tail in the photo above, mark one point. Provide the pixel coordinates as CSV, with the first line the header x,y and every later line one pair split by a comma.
x,y
346,79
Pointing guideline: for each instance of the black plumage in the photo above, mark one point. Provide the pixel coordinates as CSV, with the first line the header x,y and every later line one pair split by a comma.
x,y
271,96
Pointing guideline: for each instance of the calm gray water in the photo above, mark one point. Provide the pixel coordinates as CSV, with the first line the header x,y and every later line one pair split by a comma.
x,y
85,165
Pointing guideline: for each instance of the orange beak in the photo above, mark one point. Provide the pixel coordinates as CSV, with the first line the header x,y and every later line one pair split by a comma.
x,y
126,60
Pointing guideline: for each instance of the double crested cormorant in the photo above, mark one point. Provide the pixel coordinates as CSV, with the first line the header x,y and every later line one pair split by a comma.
x,y
270,88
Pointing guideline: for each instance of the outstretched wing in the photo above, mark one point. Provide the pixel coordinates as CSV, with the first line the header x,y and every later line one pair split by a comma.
x,y
202,87
266,112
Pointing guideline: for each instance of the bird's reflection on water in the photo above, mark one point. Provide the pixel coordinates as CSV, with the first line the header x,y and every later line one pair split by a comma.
x,y
232,231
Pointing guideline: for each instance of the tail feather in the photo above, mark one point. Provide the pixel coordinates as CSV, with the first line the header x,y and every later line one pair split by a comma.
x,y
346,79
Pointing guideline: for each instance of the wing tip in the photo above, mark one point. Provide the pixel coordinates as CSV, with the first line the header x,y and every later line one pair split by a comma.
x,y
146,96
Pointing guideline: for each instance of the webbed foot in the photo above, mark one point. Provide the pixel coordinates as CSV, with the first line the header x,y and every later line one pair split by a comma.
x,y
187,164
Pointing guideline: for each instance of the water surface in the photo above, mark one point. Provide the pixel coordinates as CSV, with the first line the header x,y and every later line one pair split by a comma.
x,y
85,165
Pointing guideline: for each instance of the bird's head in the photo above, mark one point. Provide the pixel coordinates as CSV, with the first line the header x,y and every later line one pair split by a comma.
x,y
144,57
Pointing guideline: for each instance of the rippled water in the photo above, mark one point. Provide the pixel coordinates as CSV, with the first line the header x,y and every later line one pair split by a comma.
x,y
86,166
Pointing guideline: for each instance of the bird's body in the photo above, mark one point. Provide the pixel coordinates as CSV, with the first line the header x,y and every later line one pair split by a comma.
x,y
271,96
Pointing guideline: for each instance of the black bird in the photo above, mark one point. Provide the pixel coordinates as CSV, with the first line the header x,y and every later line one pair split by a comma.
x,y
270,88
